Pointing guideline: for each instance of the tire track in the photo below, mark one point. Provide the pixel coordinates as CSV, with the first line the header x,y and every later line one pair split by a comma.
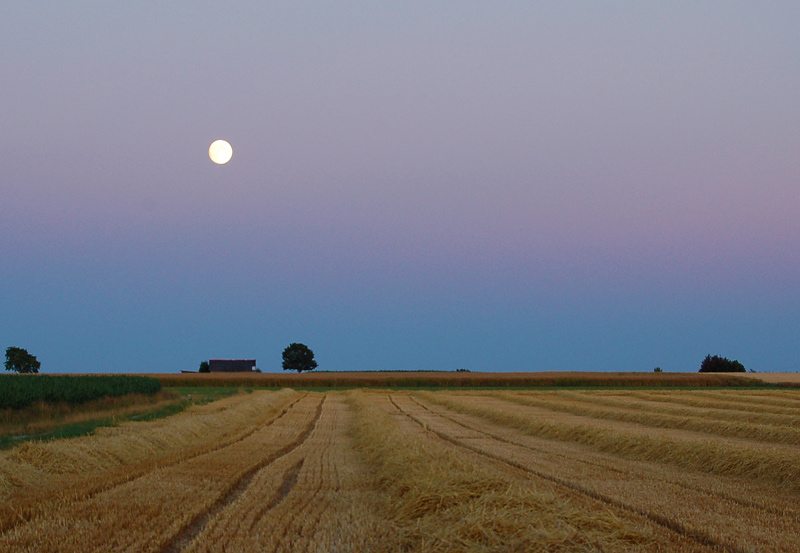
x,y
296,523
300,516
512,442
186,535
698,537
288,483
710,493
301,513
145,468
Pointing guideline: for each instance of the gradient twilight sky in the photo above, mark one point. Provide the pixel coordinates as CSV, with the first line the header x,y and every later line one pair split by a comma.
x,y
492,186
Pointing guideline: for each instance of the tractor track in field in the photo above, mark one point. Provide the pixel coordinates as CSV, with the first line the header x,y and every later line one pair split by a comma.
x,y
700,538
301,510
689,487
512,442
195,527
146,468
289,480
306,510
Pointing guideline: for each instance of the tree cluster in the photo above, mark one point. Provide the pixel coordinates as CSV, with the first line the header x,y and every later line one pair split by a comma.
x,y
717,364
19,360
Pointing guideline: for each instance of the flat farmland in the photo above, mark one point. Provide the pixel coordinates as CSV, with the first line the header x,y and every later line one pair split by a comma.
x,y
459,379
778,378
410,470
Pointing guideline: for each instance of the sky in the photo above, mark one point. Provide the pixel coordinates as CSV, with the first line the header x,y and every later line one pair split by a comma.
x,y
490,186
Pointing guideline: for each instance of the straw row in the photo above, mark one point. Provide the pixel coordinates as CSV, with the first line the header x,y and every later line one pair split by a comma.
x,y
441,471
773,464
728,402
36,477
146,513
627,400
736,425
446,499
297,504
732,514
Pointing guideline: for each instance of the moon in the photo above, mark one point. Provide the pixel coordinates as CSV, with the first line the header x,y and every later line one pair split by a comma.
x,y
220,152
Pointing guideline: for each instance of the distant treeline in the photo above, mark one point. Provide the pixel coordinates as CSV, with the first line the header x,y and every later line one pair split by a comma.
x,y
399,379
17,391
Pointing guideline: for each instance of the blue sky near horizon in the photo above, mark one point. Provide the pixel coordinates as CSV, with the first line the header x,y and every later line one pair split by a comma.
x,y
424,185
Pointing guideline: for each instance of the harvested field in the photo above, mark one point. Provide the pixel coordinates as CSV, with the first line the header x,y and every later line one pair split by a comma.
x,y
405,470
778,378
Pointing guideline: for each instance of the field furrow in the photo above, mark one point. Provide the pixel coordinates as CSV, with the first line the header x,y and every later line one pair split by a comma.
x,y
727,402
146,514
504,451
288,504
735,515
577,405
627,401
787,400
766,463
461,500
740,491
183,540
37,477
419,471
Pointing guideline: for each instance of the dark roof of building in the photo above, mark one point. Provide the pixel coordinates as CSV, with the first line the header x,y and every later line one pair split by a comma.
x,y
231,365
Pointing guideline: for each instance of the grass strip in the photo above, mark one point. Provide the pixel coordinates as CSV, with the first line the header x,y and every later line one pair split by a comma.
x,y
86,427
37,475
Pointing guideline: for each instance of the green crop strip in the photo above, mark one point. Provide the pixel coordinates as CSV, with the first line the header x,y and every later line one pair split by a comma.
x,y
84,428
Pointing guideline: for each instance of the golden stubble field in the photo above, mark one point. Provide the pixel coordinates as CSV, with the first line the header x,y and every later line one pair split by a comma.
x,y
604,470
777,378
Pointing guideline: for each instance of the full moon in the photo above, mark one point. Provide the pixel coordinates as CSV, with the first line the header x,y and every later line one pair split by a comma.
x,y
220,152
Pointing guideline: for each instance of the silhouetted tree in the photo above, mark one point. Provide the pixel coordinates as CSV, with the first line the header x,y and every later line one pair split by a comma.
x,y
298,357
19,360
204,367
717,364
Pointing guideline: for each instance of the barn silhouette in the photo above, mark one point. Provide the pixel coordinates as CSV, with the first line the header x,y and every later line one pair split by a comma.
x,y
231,365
